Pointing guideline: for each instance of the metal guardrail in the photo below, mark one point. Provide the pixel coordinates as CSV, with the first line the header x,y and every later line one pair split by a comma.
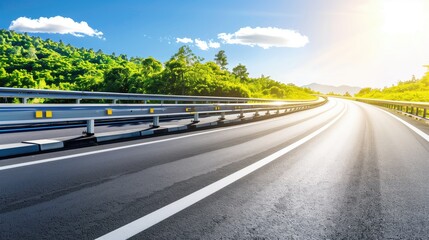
x,y
419,109
26,93
47,113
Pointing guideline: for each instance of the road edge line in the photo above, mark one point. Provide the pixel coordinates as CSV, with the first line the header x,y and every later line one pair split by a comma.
x,y
410,126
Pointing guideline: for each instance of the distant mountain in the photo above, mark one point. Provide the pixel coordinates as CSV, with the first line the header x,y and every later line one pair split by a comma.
x,y
328,88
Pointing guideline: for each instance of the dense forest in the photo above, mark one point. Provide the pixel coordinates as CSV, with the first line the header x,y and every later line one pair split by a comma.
x,y
31,62
411,90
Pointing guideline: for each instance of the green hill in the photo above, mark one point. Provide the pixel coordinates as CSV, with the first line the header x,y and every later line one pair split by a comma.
x,y
413,90
31,62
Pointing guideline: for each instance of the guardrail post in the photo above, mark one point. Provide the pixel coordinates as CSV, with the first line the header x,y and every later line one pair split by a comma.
x,y
424,112
222,116
196,120
155,122
24,100
278,111
115,101
241,114
256,114
417,111
78,101
268,113
175,102
90,128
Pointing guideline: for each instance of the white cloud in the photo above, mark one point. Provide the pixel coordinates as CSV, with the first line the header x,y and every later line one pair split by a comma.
x,y
184,40
201,44
265,37
214,44
58,24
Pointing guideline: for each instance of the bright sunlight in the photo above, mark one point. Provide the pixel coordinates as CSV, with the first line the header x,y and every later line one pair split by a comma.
x,y
403,16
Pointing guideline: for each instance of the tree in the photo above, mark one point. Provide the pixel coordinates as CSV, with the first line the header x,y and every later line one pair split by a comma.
x,y
116,80
240,71
174,76
185,54
151,66
221,59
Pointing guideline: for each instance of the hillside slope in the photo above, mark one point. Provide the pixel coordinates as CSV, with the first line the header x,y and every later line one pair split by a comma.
x,y
31,62
325,89
411,90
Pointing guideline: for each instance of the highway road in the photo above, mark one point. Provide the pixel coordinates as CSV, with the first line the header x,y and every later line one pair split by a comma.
x,y
346,170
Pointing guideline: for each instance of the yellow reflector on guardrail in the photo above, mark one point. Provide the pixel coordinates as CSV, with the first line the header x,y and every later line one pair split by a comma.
x,y
109,111
151,110
39,114
48,114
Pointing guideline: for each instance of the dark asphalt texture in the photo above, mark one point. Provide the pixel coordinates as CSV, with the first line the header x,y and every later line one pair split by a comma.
x,y
365,177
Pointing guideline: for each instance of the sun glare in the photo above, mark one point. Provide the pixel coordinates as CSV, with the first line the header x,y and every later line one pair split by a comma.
x,y
403,16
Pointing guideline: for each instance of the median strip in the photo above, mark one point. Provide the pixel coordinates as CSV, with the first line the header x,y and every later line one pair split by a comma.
x,y
169,210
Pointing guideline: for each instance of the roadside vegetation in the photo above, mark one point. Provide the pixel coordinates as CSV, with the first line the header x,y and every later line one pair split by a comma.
x,y
31,62
412,90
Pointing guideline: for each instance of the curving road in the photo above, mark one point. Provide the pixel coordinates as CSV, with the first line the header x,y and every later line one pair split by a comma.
x,y
345,170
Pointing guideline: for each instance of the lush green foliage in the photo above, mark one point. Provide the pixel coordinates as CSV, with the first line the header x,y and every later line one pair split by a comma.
x,y
30,62
412,90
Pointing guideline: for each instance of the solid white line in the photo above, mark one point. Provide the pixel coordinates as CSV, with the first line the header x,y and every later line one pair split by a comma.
x,y
416,130
117,148
18,165
165,212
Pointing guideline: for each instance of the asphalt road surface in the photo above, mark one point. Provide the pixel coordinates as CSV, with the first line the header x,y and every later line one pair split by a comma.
x,y
345,170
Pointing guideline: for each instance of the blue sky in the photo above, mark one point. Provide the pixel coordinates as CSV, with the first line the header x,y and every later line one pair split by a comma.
x,y
362,43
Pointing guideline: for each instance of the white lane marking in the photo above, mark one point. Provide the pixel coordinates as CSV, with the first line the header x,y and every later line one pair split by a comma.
x,y
18,165
416,130
167,211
